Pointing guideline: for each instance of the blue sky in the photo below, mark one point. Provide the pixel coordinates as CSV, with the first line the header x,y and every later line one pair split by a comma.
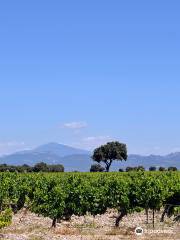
x,y
86,72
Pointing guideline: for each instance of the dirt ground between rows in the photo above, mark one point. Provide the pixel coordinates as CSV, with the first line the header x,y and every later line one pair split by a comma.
x,y
29,226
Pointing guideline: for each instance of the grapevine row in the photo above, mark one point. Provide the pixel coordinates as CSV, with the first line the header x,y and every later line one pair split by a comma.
x,y
61,195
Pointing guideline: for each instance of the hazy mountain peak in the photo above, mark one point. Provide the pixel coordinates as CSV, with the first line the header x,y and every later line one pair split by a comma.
x,y
59,149
174,154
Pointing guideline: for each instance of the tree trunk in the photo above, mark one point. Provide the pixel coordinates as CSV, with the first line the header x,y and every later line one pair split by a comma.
x,y
108,164
153,218
54,223
166,210
121,215
147,216
177,218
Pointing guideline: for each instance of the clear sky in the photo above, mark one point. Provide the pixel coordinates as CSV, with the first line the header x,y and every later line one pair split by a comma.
x,y
86,72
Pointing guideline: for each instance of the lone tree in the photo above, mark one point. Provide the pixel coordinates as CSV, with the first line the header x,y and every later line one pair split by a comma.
x,y
109,152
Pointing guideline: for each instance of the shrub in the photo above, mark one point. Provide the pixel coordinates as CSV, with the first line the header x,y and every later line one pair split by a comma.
x,y
161,169
172,169
97,168
152,169
5,218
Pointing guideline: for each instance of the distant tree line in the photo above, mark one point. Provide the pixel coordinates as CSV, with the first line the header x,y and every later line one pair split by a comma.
x,y
151,169
39,167
99,168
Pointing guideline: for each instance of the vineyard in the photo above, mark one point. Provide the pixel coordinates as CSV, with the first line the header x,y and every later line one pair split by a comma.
x,y
61,195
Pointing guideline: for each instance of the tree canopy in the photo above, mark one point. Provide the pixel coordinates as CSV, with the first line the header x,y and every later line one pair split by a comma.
x,y
109,152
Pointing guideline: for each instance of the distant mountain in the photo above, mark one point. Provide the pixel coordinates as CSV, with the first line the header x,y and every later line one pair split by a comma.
x,y
52,153
30,158
59,149
80,160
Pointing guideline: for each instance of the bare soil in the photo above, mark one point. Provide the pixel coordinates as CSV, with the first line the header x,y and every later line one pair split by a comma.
x,y
29,226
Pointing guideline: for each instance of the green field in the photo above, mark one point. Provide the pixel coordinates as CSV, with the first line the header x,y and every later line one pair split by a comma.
x,y
61,195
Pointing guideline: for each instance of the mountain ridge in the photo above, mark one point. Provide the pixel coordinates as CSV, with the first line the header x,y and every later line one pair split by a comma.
x,y
60,149
80,160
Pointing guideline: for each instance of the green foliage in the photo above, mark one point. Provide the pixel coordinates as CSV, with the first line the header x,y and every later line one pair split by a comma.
x,y
152,169
110,152
177,211
59,196
172,169
39,167
139,168
5,218
97,168
121,170
161,169
48,198
56,168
